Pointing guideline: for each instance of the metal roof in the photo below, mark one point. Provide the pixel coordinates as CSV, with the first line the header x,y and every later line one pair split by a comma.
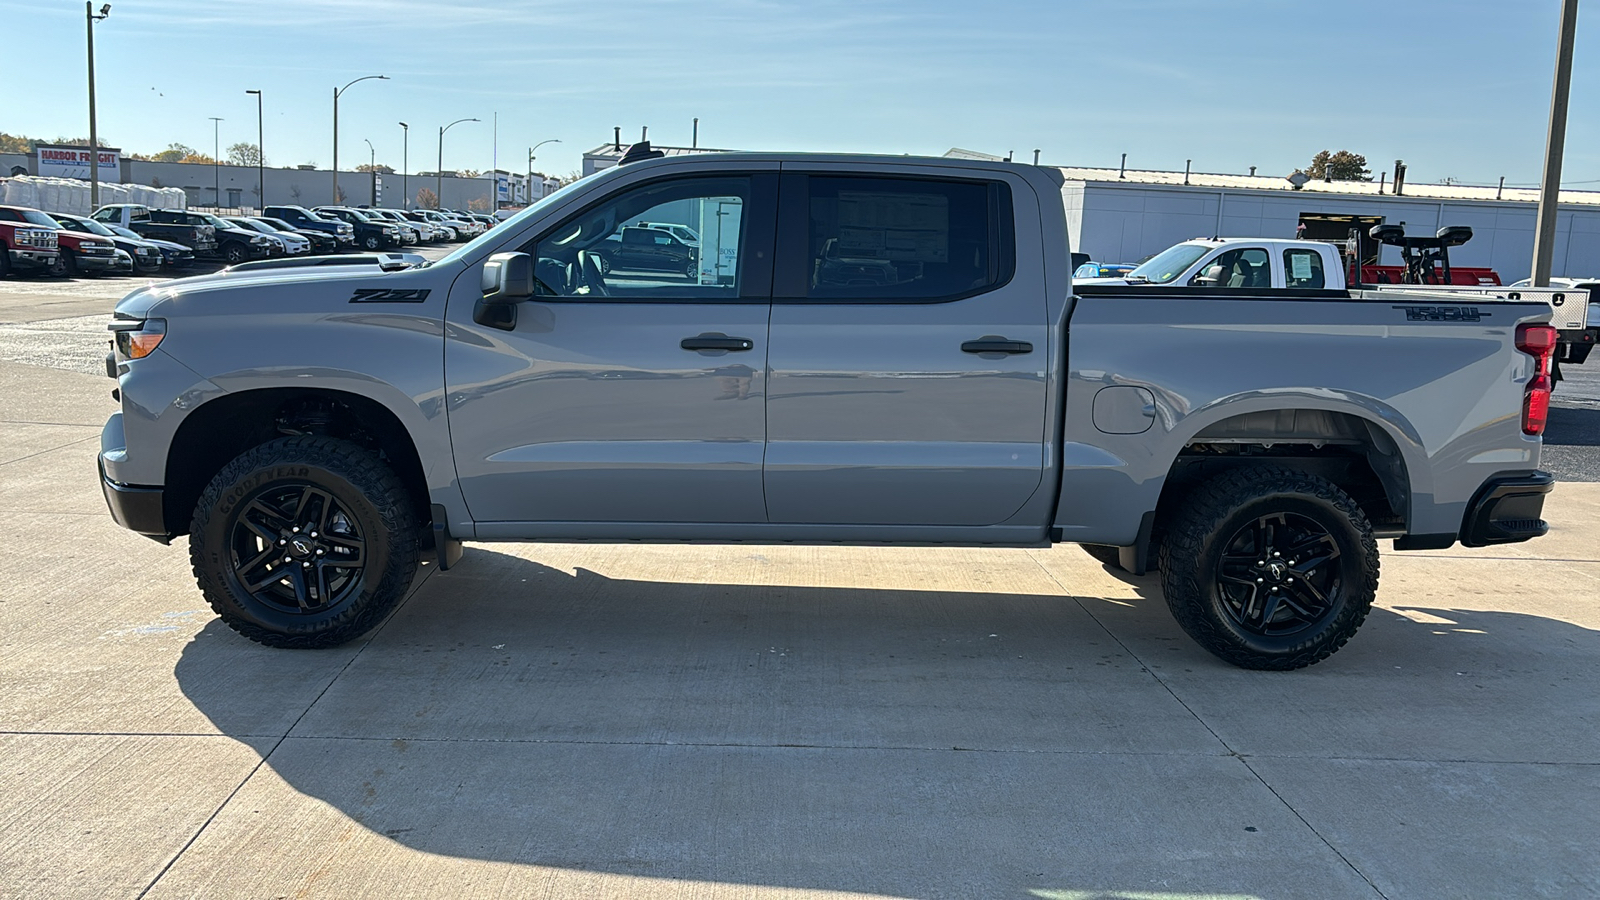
x,y
1411,189
609,150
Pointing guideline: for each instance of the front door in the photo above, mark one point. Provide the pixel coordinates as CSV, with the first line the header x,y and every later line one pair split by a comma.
x,y
620,395
908,354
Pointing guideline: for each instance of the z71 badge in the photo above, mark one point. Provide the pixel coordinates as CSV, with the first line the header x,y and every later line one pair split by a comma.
x,y
1443,313
380,295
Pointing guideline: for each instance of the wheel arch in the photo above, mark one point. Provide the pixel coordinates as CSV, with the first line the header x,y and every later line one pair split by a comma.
x,y
216,432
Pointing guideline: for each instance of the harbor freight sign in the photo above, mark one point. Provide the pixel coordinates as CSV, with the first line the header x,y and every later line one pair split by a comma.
x,y
73,162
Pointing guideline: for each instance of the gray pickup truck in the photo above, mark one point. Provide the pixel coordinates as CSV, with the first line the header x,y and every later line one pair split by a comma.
x,y
871,350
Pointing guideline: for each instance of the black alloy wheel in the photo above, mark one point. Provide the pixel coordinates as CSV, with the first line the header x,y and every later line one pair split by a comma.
x,y
295,547
1279,575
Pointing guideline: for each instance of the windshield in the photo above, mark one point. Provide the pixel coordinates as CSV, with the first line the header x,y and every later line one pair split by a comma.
x,y
88,225
34,217
245,223
279,224
215,222
119,231
1169,263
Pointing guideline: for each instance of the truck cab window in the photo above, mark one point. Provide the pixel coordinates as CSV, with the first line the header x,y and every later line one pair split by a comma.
x,y
1249,267
677,239
903,238
1303,269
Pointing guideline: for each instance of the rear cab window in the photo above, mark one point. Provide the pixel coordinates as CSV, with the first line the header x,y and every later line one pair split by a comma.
x,y
1302,268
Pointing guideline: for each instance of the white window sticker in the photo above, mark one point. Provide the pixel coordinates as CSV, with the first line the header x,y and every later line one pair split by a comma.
x,y
1300,266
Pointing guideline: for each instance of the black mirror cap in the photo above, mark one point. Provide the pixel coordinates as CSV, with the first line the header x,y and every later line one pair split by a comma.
x,y
508,277
1454,235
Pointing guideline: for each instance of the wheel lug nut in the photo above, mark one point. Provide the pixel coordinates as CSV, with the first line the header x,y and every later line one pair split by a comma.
x,y
281,542
287,559
1258,580
1277,555
1261,562
319,551
1274,589
306,565
295,529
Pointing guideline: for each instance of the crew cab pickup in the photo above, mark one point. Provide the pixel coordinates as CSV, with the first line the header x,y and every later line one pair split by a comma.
x,y
316,428
27,246
201,238
79,253
305,220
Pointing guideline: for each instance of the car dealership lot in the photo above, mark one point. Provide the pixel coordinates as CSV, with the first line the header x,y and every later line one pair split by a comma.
x,y
573,720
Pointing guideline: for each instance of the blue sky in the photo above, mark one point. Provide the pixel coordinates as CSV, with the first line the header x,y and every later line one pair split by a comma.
x,y
1458,89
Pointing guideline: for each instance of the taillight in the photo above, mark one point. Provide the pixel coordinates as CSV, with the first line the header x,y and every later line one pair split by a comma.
x,y
1538,341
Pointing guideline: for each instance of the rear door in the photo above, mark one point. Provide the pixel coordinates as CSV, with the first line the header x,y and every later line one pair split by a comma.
x,y
909,349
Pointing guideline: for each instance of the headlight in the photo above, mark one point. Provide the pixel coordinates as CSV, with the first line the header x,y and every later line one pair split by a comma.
x,y
262,239
139,340
145,251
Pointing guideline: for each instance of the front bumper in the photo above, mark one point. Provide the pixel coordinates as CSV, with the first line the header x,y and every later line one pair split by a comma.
x,y
97,263
138,508
1507,509
32,260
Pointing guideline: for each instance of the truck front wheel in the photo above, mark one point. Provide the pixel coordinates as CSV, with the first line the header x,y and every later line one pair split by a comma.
x,y
304,542
235,253
1269,568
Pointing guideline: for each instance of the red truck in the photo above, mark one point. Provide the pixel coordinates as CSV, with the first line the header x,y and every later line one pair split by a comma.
x,y
79,253
27,246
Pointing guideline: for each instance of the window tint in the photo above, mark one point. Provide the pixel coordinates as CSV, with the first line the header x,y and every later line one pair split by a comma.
x,y
1246,268
623,247
1303,269
904,238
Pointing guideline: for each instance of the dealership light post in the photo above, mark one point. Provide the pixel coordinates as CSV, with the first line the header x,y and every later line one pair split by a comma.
x,y
530,163
216,160
261,156
405,165
372,169
336,93
438,199
1544,235
94,135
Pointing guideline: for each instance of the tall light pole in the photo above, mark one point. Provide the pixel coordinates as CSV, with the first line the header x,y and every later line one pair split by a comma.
x,y
94,135
530,164
216,159
405,165
336,93
372,169
1544,235
438,199
261,156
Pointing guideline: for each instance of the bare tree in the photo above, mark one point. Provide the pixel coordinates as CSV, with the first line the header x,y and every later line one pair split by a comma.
x,y
243,154
427,199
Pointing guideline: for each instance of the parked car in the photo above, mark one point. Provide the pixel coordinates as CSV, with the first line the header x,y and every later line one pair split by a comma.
x,y
427,232
145,255
234,244
1093,269
515,392
371,232
681,232
172,255
450,232
201,239
305,220
27,246
409,233
293,244
80,253
321,241
123,263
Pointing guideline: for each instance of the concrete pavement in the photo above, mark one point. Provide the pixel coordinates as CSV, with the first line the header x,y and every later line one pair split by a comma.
x,y
779,722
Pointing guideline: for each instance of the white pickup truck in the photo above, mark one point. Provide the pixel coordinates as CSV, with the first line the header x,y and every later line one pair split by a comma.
x,y
1272,264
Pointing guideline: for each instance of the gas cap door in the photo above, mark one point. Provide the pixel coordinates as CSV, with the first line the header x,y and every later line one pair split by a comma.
x,y
1124,409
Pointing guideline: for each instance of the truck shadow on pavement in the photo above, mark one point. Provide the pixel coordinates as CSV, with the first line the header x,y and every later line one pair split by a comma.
x,y
813,738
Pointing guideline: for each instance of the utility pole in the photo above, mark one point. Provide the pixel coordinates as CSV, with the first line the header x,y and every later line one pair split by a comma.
x,y
530,165
405,165
94,134
336,93
1544,234
216,159
261,156
372,169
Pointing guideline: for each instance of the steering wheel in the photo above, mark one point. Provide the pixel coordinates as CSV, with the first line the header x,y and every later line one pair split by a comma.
x,y
589,263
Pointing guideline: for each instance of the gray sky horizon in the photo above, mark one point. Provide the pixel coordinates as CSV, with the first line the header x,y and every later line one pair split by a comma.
x,y
1459,90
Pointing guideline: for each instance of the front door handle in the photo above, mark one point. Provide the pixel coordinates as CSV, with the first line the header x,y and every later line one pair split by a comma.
x,y
716,340
991,343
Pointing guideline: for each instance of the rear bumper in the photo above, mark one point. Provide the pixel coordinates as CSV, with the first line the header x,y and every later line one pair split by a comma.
x,y
1507,509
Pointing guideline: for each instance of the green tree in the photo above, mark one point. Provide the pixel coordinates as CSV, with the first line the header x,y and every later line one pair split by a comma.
x,y
1339,165
243,154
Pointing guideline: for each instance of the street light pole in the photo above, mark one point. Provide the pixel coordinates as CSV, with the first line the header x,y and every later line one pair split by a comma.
x,y
1544,234
372,169
336,93
405,165
216,160
94,134
261,156
530,164
438,200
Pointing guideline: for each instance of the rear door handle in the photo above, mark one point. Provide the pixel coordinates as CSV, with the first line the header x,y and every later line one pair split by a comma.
x,y
991,343
716,340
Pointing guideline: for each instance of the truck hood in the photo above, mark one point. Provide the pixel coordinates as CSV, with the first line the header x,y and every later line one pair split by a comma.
x,y
257,287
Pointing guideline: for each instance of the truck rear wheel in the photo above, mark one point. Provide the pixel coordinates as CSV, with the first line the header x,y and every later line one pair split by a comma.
x,y
304,542
1269,568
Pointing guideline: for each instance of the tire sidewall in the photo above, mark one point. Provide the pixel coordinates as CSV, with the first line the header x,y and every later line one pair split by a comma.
x,y
211,545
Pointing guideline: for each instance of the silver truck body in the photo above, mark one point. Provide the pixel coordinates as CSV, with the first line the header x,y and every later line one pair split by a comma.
x,y
844,422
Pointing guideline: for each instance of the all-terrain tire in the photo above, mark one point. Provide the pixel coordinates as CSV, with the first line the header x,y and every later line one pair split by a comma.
x,y
365,516
1221,592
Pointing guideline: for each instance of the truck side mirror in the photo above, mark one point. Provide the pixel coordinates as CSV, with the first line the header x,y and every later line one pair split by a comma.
x,y
507,280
